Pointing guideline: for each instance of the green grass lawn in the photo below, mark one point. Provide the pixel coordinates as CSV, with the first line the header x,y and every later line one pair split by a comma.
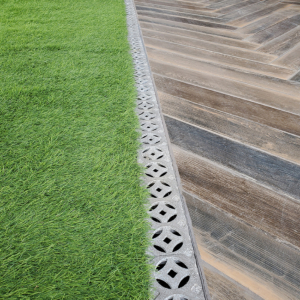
x,y
72,217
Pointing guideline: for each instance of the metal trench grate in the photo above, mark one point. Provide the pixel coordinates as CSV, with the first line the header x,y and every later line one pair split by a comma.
x,y
176,275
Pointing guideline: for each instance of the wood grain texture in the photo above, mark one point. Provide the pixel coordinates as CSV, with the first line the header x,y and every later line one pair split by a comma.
x,y
228,86
238,195
250,256
270,170
276,142
233,105
227,74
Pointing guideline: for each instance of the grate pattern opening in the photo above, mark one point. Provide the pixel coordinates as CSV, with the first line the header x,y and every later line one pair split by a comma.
x,y
152,153
163,212
159,189
149,126
172,273
150,139
156,170
167,240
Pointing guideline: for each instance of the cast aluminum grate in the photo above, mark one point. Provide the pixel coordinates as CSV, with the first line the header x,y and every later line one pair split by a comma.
x,y
176,275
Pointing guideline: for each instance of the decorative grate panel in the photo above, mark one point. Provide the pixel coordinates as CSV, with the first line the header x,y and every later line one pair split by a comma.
x,y
176,275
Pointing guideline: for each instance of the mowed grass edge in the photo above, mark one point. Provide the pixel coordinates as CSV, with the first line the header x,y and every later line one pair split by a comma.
x,y
72,216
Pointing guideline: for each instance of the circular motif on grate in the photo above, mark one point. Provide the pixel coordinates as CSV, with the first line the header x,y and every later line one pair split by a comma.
x,y
177,297
159,189
144,97
150,138
167,240
156,170
149,126
145,105
147,115
153,153
163,212
172,273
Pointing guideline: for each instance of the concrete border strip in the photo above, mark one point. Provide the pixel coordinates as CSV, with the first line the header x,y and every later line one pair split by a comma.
x,y
178,274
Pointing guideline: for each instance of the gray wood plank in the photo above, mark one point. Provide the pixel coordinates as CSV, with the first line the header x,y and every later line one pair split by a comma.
x,y
204,29
249,255
222,59
199,35
282,43
245,199
213,47
262,137
229,87
229,104
267,82
270,170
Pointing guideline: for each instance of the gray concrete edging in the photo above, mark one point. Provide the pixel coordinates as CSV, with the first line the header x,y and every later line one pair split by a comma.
x,y
178,274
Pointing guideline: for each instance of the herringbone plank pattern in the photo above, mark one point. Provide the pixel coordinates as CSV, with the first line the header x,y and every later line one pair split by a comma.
x,y
228,78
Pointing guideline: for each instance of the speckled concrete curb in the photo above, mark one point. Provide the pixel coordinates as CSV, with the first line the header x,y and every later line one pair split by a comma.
x,y
178,273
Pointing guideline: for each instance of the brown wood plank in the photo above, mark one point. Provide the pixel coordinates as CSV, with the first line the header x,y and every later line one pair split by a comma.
x,y
247,10
222,59
222,287
257,14
186,20
175,4
274,172
282,43
213,47
271,140
272,32
244,253
240,196
199,35
178,9
228,87
194,16
232,105
272,19
290,59
235,6
209,30
181,60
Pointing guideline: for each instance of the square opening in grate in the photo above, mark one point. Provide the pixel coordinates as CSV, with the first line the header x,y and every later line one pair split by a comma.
x,y
172,273
167,240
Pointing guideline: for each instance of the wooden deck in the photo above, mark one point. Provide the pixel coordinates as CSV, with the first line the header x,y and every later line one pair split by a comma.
x,y
228,79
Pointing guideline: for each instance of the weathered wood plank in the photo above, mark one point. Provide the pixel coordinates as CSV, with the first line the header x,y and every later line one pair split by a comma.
x,y
257,14
272,171
246,254
232,105
178,9
199,35
239,196
282,43
267,82
272,32
247,10
263,23
222,287
177,14
290,59
222,59
186,20
268,139
213,47
209,30
229,87
176,4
